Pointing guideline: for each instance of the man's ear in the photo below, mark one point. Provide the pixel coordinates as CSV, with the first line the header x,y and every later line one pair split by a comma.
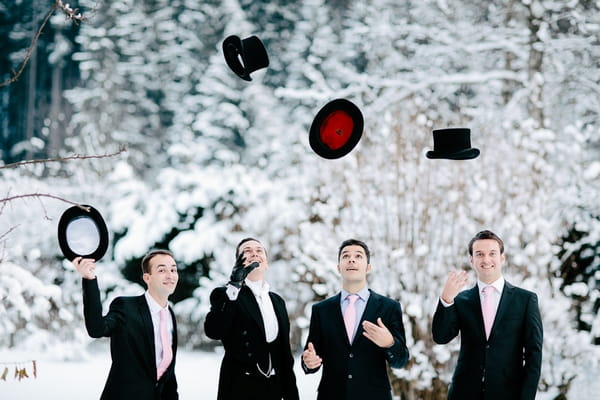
x,y
146,277
368,268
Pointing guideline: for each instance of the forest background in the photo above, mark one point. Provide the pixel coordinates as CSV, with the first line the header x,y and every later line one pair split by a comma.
x,y
211,158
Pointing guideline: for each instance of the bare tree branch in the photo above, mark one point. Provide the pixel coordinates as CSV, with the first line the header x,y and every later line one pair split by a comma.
x,y
38,195
122,149
71,14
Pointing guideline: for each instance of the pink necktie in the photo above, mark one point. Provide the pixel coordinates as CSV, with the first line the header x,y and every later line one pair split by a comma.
x,y
350,315
167,352
489,311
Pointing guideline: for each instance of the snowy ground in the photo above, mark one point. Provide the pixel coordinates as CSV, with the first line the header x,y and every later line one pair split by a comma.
x,y
197,374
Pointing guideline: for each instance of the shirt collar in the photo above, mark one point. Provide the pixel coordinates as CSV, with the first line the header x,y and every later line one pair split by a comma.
x,y
363,294
257,287
152,304
498,284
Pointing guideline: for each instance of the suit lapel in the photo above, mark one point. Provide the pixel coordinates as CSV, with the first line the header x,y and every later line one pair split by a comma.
x,y
250,305
334,309
370,314
149,350
504,305
474,304
174,341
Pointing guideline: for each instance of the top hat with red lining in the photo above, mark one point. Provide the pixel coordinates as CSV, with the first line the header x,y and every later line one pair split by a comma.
x,y
336,129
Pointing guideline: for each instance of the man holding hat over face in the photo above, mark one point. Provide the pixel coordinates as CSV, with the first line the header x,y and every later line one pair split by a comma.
x,y
142,330
355,334
253,325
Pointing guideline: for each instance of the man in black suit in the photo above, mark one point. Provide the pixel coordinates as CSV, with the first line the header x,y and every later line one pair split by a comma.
x,y
253,325
354,333
143,355
500,326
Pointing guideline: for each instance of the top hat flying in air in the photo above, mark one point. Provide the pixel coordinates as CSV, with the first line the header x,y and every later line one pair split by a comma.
x,y
245,56
336,129
453,144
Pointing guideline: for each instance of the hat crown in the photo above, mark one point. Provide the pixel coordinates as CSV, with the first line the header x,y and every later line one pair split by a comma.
x,y
451,140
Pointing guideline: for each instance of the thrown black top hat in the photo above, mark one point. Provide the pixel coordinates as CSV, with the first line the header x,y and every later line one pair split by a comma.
x,y
252,52
452,143
82,233
336,129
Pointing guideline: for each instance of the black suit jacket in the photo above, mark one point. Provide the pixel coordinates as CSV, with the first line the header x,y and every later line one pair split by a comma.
x,y
508,364
239,325
128,323
357,370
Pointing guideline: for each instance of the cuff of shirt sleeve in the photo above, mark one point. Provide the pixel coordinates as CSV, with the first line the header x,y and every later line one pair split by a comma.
x,y
446,304
232,292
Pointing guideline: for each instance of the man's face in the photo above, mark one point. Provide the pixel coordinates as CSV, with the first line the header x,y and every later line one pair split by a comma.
x,y
163,275
255,251
353,265
487,260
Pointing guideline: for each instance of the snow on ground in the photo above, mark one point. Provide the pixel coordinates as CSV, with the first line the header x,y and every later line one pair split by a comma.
x,y
197,375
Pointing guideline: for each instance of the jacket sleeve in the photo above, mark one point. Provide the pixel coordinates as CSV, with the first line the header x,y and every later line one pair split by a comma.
x,y
219,319
532,352
397,355
445,323
97,325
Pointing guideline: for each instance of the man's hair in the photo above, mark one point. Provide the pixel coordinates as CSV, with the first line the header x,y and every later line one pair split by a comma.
x,y
150,255
355,242
239,245
486,234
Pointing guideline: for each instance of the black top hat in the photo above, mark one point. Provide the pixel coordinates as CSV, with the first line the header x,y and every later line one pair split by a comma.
x,y
252,52
82,233
452,143
336,129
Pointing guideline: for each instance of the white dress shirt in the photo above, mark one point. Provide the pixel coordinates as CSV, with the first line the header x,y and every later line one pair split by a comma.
x,y
154,313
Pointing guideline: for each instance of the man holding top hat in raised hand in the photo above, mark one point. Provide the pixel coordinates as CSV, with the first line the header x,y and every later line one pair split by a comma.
x,y
142,330
355,334
253,325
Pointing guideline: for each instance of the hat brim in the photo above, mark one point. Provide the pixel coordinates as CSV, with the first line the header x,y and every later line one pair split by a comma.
x,y
466,154
82,233
353,112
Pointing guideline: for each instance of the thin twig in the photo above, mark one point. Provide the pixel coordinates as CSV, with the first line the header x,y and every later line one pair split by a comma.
x,y
7,232
37,195
31,48
71,14
122,149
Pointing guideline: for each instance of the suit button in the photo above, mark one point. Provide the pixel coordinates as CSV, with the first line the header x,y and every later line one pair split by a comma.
x,y
249,355
244,333
487,346
246,344
351,355
349,376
